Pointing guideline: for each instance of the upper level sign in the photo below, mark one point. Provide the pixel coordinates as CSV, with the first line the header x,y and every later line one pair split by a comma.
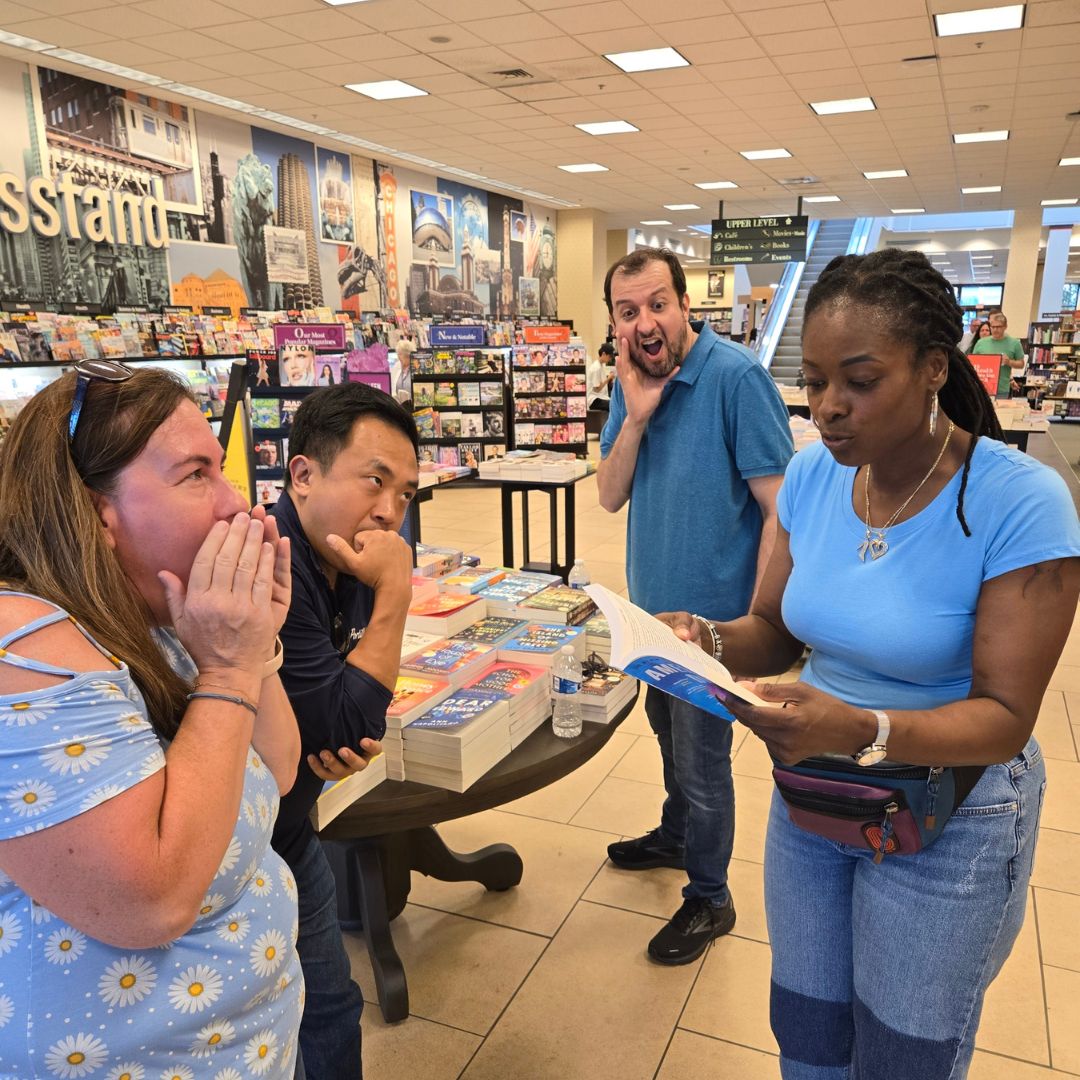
x,y
758,240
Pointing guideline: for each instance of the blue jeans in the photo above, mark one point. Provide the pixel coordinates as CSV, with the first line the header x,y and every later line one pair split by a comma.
x,y
330,1028
879,971
699,811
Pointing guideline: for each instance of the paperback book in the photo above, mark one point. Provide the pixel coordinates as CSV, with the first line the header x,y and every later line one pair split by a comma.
x,y
455,661
492,630
538,643
445,614
558,604
649,650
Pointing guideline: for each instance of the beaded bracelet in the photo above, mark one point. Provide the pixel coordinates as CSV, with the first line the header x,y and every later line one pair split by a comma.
x,y
233,699
717,641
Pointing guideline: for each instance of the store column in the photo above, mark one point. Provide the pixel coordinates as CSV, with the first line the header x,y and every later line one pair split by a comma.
x,y
1055,267
583,251
1022,269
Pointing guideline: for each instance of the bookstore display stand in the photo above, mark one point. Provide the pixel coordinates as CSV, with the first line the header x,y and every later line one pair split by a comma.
x,y
376,843
549,396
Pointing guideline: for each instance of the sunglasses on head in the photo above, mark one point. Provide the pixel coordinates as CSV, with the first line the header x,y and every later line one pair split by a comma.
x,y
87,371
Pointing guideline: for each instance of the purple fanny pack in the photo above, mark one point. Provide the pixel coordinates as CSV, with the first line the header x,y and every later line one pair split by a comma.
x,y
890,810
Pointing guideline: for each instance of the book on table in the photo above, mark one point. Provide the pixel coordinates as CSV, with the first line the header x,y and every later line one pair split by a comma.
x,y
490,630
557,604
415,641
414,694
339,795
454,661
649,650
445,614
605,693
538,644
468,580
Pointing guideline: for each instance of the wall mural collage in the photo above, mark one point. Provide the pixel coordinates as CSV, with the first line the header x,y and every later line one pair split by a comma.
x,y
254,218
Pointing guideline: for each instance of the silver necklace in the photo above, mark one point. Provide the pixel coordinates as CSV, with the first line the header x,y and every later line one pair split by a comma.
x,y
878,545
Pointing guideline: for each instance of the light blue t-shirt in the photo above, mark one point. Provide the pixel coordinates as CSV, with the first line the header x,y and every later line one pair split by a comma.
x,y
694,526
897,632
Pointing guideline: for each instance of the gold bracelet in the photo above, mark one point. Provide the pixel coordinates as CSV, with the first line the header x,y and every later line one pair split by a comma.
x,y
273,665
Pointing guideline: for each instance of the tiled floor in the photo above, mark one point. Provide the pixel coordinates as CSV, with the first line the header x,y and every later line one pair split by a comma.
x,y
549,981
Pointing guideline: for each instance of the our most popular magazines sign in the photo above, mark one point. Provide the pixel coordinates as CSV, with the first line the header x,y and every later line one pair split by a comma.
x,y
328,337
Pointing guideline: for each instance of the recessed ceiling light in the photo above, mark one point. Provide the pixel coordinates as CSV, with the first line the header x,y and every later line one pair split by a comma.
x,y
1069,161
681,206
910,210
655,221
648,60
607,127
980,21
993,190
716,185
387,90
589,166
886,174
764,155
980,136
821,198
843,105
1059,202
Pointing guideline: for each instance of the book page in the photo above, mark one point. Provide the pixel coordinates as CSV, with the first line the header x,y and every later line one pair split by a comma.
x,y
643,646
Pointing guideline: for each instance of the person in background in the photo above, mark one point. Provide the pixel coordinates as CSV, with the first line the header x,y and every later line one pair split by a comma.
x,y
1008,348
600,377
934,573
972,335
984,330
351,475
752,339
145,738
685,397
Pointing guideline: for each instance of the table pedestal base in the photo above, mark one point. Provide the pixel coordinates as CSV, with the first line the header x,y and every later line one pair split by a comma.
x,y
373,879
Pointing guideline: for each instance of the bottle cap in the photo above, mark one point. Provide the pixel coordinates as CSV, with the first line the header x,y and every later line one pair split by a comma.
x,y
567,650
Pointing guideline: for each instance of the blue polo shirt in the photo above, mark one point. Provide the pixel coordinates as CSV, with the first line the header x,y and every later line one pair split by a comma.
x,y
694,526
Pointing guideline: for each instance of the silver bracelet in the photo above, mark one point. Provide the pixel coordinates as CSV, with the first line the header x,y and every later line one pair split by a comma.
x,y
717,641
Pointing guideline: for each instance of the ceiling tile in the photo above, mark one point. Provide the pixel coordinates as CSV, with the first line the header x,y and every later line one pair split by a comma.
x,y
809,41
299,55
398,15
191,14
802,17
254,35
853,12
589,18
501,31
867,35
135,23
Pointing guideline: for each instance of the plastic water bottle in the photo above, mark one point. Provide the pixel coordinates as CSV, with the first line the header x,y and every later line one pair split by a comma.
x,y
579,575
565,686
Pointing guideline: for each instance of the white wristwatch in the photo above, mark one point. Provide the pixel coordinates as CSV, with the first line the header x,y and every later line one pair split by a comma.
x,y
875,752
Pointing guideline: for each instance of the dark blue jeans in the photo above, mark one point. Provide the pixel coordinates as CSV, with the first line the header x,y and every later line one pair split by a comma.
x,y
330,1028
699,811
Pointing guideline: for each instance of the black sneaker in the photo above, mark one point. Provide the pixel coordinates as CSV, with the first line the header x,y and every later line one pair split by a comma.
x,y
692,928
645,853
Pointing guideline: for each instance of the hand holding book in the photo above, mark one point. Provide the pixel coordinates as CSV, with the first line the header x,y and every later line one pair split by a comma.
x,y
648,649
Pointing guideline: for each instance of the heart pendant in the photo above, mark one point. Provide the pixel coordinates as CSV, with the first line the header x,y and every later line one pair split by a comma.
x,y
878,547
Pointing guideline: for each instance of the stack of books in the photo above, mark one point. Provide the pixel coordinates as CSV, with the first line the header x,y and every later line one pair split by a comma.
x,y
415,641
538,643
338,795
436,561
491,630
469,580
445,614
603,695
504,597
557,604
598,637
455,661
530,700
413,696
453,744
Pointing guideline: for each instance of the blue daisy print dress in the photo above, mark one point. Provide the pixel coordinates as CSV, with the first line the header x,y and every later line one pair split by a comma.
x,y
224,1001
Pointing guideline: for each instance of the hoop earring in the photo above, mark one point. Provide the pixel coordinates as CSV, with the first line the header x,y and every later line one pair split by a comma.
x,y
933,414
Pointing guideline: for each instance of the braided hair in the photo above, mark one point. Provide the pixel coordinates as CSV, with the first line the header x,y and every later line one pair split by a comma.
x,y
921,309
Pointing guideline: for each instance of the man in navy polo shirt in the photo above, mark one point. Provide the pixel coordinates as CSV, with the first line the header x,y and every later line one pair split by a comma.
x,y
697,440
352,473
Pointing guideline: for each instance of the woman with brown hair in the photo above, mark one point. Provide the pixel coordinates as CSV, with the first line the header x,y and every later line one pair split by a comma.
x,y
145,923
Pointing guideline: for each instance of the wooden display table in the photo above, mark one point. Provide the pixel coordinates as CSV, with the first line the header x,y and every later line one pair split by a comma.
x,y
377,842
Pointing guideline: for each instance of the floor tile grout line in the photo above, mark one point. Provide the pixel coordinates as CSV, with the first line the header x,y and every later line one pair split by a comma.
x,y
732,1042
485,922
1042,975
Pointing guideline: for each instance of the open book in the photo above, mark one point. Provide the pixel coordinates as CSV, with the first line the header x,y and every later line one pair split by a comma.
x,y
648,649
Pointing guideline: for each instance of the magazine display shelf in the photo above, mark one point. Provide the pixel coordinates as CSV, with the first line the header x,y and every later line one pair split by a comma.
x,y
461,414
549,397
